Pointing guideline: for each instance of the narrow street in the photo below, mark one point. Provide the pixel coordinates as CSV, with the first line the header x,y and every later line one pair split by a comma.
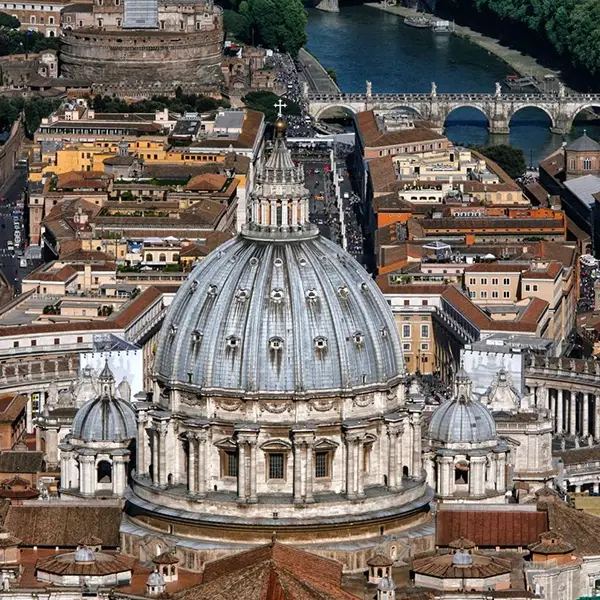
x,y
9,260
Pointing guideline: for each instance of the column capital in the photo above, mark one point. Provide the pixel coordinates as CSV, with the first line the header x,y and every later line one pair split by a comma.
x,y
161,428
395,429
301,437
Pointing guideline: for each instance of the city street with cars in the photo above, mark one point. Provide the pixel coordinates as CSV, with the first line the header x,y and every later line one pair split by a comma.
x,y
12,234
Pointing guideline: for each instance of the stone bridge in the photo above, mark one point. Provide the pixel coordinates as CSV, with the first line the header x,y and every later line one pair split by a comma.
x,y
561,107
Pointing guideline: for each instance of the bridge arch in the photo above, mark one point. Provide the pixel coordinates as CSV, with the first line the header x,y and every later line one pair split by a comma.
x,y
405,108
323,109
582,108
521,107
453,108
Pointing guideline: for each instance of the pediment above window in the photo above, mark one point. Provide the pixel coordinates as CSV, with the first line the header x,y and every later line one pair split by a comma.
x,y
276,445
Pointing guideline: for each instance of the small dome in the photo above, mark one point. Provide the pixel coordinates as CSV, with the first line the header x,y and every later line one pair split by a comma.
x,y
84,555
380,560
462,420
106,418
386,584
155,579
462,559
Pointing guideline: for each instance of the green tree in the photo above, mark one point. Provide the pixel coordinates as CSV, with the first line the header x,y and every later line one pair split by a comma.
x,y
506,157
8,113
236,25
9,22
278,24
265,102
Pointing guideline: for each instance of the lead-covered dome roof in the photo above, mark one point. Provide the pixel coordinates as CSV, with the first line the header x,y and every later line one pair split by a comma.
x,y
290,316
462,420
105,418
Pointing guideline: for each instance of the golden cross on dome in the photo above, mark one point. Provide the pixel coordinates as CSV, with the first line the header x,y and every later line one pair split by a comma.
x,y
279,105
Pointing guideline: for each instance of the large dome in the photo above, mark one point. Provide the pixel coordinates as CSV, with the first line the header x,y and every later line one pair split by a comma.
x,y
106,418
281,318
462,420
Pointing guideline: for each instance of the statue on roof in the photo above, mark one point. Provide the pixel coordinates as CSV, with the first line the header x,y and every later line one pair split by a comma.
x,y
124,389
52,400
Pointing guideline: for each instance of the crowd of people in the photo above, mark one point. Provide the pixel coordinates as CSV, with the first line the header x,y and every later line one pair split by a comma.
x,y
302,126
589,271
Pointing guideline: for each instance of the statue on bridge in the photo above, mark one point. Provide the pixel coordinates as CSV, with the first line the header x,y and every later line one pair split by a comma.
x,y
561,90
433,89
369,89
498,91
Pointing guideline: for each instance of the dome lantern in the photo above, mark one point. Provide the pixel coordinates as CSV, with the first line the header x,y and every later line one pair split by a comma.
x,y
279,202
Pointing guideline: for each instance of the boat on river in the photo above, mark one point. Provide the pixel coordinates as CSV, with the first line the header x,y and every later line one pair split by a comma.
x,y
442,26
419,21
517,84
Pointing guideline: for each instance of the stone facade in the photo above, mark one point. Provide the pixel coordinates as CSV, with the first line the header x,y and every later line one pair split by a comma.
x,y
184,49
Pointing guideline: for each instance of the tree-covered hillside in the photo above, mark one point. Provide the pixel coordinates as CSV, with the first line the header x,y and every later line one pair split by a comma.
x,y
563,32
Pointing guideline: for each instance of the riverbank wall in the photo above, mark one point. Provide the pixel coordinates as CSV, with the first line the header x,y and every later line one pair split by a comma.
x,y
523,65
317,77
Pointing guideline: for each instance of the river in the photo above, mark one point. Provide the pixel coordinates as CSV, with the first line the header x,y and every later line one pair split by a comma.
x,y
362,43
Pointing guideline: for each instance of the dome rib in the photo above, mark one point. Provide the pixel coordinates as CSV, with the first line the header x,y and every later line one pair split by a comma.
x,y
462,420
294,267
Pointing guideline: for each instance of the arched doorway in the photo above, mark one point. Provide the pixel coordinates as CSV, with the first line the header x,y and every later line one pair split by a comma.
x,y
104,472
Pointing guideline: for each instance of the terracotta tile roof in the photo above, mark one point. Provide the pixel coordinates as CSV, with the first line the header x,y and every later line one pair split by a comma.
x,y
48,327
14,461
210,182
111,565
238,162
12,409
576,527
82,179
567,255
134,308
480,568
63,275
534,191
77,254
489,528
579,455
553,165
552,271
534,312
383,173
469,310
527,321
374,137
391,203
272,572
63,526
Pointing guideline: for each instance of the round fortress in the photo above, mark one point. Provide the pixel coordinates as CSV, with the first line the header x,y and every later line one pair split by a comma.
x,y
146,43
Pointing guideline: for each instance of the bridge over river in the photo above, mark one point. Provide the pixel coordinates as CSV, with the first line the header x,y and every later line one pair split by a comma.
x,y
561,107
